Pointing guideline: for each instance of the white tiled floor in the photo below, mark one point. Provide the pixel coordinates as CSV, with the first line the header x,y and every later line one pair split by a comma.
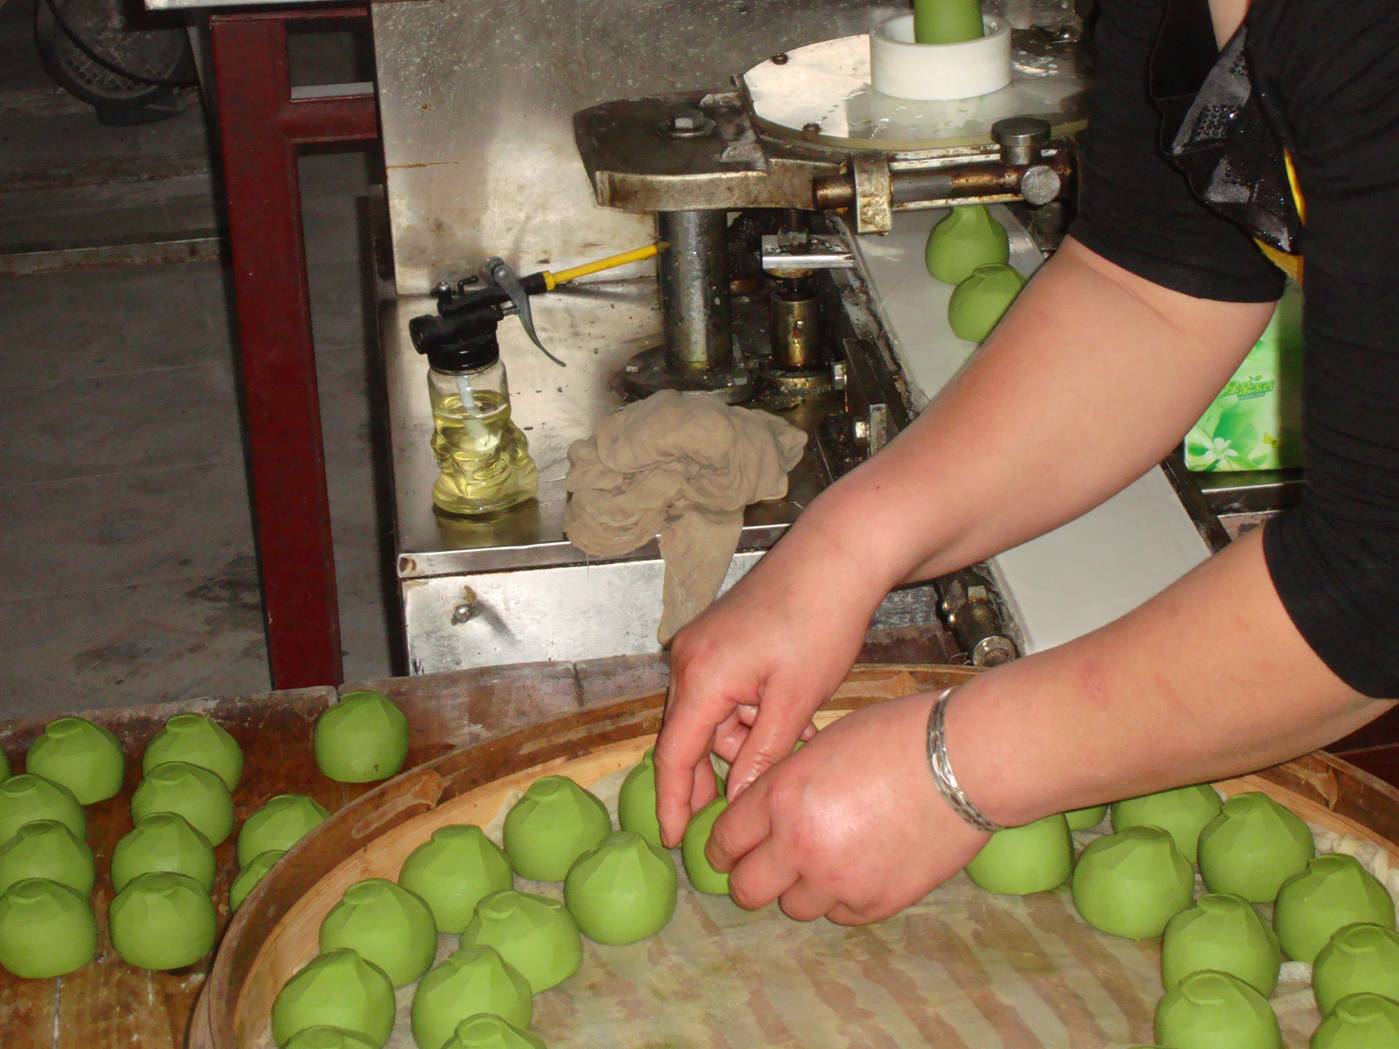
x,y
127,568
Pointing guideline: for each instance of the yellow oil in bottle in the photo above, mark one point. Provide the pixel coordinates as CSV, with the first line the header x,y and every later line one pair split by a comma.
x,y
483,456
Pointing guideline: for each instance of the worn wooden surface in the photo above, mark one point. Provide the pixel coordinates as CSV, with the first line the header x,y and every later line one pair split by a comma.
x,y
109,1003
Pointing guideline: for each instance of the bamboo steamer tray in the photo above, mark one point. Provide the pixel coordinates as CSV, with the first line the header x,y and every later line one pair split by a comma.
x,y
963,969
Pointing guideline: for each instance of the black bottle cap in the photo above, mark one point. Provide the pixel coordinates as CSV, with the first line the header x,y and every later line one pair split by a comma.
x,y
458,342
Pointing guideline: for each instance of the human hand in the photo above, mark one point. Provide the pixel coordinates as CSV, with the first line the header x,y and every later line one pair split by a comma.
x,y
746,676
851,827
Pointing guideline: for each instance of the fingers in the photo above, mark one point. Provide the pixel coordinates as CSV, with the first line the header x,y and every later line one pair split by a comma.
x,y
770,739
743,826
729,737
804,902
762,876
809,733
694,712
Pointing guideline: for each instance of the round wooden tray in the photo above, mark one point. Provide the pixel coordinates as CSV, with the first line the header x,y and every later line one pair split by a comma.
x,y
275,932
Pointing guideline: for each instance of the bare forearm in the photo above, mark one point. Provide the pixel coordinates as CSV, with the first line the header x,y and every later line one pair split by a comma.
x,y
1089,380
1208,679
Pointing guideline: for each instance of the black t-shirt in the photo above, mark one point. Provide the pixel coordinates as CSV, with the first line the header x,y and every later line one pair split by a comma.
x,y
1325,76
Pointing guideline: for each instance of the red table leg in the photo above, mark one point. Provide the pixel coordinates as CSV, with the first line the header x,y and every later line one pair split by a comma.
x,y
260,129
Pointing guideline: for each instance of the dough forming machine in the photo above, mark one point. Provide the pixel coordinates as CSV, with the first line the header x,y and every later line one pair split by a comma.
x,y
795,204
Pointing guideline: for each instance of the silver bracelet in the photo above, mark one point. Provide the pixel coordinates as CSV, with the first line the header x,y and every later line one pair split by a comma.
x,y
941,767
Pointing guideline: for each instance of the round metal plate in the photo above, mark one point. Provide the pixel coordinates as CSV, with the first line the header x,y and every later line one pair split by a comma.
x,y
821,93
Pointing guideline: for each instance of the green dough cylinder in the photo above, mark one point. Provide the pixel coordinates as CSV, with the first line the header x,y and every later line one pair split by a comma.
x,y
329,1038
1132,883
361,739
534,934
196,740
162,921
1225,934
189,791
1361,1021
1018,861
978,303
1086,819
26,798
622,891
636,804
384,924
1252,847
46,930
1362,958
474,980
453,871
278,825
339,989
947,21
163,841
1183,813
47,849
551,826
968,237
250,875
485,1031
83,757
1212,1010
1333,892
697,868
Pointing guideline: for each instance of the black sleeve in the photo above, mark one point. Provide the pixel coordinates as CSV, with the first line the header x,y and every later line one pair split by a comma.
x,y
1136,209
1333,66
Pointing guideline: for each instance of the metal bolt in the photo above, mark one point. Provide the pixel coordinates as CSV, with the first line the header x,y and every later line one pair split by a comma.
x,y
1040,184
441,288
838,375
687,123
812,127
464,611
779,60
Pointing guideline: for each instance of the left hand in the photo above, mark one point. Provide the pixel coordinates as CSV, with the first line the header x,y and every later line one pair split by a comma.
x,y
851,826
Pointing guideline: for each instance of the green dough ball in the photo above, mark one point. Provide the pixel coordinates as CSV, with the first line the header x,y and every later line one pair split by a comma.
x,y
385,924
622,891
1223,933
46,930
249,876
329,1038
339,989
1182,813
1252,847
47,849
1333,892
26,798
978,303
967,238
1212,1010
1020,860
1361,1021
636,804
189,791
162,921
278,825
474,980
551,826
83,757
196,740
163,841
1359,958
702,876
947,21
453,871
534,934
1132,883
1086,819
361,739
485,1031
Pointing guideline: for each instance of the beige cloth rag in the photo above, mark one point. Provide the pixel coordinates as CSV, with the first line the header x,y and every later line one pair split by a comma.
x,y
683,465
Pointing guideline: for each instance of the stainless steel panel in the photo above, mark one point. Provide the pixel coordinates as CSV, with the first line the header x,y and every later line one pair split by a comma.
x,y
476,103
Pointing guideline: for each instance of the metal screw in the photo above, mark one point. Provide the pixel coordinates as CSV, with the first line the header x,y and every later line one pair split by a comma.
x,y
442,288
812,128
779,60
1040,184
464,611
687,123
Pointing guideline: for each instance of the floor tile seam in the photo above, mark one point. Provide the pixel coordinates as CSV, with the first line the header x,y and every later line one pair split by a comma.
x,y
6,489
223,362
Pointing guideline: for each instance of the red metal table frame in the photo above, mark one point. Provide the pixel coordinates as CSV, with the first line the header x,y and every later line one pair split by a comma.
x,y
262,127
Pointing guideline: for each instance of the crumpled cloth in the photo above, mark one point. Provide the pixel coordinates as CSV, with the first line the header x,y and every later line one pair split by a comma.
x,y
683,465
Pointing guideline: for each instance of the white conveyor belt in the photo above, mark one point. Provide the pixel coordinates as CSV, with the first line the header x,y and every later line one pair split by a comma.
x,y
1088,572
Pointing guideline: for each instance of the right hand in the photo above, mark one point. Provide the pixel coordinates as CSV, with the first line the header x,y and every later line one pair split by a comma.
x,y
747,675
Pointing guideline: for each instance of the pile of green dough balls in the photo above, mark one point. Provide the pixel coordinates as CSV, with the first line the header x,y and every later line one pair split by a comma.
x,y
1220,959
970,249
619,887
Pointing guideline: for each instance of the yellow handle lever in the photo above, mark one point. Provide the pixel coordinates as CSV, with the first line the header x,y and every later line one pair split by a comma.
x,y
553,280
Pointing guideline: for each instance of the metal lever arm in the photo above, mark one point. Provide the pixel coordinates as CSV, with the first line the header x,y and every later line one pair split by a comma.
x,y
498,272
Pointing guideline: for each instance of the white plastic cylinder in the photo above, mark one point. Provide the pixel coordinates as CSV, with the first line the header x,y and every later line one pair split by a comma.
x,y
901,68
